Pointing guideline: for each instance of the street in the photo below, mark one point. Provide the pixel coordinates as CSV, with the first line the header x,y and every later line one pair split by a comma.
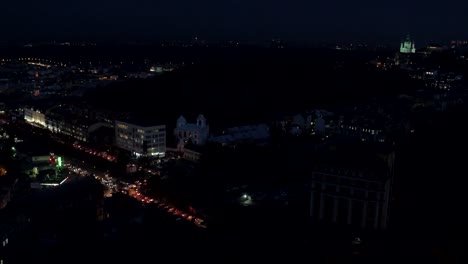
x,y
133,189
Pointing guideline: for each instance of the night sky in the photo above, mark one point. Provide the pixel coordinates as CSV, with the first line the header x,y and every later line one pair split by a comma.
x,y
245,20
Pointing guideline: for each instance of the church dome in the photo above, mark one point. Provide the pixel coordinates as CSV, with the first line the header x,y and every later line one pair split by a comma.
x,y
407,45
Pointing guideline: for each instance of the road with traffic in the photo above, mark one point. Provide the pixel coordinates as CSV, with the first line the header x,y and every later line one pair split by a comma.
x,y
133,189
87,161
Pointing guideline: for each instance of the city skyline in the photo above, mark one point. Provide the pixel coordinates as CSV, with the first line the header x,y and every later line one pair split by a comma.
x,y
327,131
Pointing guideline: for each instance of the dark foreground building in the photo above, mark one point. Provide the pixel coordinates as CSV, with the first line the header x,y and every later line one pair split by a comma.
x,y
44,224
351,186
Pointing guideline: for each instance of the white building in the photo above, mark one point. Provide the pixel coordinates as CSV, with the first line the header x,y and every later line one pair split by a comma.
x,y
141,139
198,132
34,116
65,125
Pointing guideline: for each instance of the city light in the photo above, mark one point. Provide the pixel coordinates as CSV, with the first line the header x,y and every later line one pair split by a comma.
x,y
50,184
64,180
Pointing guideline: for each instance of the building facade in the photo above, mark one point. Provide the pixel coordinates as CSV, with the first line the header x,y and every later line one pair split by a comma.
x,y
70,127
352,197
62,121
363,132
34,116
192,155
197,133
141,140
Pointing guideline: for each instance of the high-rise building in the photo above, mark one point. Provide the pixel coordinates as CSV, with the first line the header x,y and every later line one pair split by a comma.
x,y
141,138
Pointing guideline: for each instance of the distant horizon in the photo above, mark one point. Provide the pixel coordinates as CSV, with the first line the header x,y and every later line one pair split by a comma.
x,y
139,41
299,21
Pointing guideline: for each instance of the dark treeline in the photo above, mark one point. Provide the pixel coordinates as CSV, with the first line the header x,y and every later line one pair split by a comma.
x,y
254,86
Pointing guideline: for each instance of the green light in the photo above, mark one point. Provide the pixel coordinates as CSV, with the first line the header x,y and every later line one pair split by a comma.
x,y
59,162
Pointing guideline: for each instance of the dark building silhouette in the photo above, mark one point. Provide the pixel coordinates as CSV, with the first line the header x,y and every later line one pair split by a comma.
x,y
351,187
49,221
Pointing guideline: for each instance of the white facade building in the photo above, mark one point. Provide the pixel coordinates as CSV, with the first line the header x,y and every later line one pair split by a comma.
x,y
141,139
34,116
198,132
75,128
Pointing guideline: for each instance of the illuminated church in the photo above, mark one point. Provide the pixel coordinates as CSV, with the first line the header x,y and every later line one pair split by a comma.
x,y
407,46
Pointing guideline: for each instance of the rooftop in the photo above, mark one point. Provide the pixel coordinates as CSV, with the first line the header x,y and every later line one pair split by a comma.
x,y
66,114
195,148
40,106
244,132
357,157
141,122
75,189
37,149
103,131
191,126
